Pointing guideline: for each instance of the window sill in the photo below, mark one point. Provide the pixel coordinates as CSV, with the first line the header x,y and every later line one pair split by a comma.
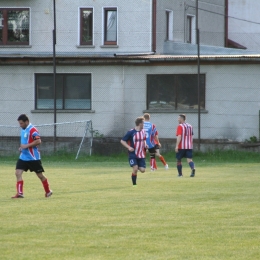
x,y
109,46
62,111
15,46
178,111
85,46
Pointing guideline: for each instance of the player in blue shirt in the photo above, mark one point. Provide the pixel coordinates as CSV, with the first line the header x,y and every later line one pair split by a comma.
x,y
30,158
134,141
153,143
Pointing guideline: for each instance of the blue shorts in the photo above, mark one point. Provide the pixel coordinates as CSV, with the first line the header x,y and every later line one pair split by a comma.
x,y
184,153
140,162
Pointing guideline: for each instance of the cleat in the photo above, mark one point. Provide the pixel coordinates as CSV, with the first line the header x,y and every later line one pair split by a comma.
x,y
18,196
166,166
180,175
192,173
152,169
47,195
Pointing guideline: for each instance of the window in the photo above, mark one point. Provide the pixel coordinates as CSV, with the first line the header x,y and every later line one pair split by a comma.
x,y
175,92
169,25
190,29
14,26
86,26
110,26
73,91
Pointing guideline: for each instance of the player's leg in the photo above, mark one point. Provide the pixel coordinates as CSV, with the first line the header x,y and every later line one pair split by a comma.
x,y
134,165
157,153
20,167
45,184
190,162
152,159
36,166
141,164
179,156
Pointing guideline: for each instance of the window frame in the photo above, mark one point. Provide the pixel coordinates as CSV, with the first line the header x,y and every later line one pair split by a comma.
x,y
105,10
63,91
190,29
176,96
4,23
169,25
81,41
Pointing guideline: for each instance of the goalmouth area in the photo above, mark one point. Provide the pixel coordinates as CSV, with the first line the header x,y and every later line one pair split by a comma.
x,y
72,137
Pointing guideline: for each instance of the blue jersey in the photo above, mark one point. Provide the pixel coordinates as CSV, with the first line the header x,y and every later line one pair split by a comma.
x,y
136,139
28,135
151,132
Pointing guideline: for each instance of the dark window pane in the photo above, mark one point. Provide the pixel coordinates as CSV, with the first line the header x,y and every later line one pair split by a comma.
x,y
72,91
175,92
18,26
77,92
45,92
161,92
86,26
1,26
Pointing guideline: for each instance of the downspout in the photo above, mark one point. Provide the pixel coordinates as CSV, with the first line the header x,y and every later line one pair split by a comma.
x,y
154,5
226,23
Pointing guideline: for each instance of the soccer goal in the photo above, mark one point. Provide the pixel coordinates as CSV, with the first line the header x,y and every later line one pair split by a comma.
x,y
70,137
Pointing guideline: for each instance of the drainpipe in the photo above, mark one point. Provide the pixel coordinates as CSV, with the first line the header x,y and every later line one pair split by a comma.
x,y
154,5
226,23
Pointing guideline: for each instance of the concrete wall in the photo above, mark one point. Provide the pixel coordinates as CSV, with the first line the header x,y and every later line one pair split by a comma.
x,y
243,23
211,22
134,25
119,96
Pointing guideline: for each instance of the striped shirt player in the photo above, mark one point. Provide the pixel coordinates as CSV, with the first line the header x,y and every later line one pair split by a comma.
x,y
184,145
135,142
29,158
153,143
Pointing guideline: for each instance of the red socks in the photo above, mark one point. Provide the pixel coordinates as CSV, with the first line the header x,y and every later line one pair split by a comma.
x,y
162,160
45,185
19,187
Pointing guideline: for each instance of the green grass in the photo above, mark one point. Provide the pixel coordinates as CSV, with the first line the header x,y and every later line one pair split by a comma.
x,y
95,212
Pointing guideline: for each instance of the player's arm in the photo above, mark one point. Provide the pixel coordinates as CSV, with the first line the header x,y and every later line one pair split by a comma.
x,y
35,142
156,138
127,146
177,143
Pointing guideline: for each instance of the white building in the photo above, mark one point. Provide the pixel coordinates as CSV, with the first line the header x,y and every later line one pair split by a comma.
x,y
244,23
118,59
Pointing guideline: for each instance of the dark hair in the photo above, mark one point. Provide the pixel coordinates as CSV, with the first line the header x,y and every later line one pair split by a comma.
x,y
23,117
146,116
139,120
183,116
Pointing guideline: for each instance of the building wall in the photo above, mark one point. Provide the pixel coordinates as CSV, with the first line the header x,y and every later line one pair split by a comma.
x,y
134,26
211,22
119,96
243,23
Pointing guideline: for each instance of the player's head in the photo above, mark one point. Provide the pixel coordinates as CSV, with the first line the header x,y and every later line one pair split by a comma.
x,y
23,120
146,116
181,118
139,121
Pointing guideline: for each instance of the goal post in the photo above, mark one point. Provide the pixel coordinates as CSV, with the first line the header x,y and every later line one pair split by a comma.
x,y
71,137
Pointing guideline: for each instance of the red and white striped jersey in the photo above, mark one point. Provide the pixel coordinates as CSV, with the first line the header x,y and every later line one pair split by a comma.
x,y
136,139
186,132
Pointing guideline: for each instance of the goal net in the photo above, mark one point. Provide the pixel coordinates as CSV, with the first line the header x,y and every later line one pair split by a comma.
x,y
66,137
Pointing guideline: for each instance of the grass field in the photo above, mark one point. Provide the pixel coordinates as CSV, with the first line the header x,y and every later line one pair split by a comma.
x,y
95,212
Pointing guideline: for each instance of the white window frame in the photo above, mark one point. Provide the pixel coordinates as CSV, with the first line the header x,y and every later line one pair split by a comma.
x,y
30,20
193,28
93,25
103,25
170,25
